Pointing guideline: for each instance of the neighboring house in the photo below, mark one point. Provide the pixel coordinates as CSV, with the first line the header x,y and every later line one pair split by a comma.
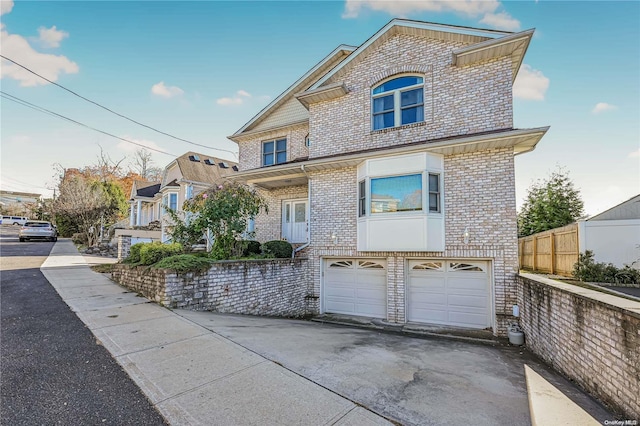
x,y
613,235
391,165
187,176
143,202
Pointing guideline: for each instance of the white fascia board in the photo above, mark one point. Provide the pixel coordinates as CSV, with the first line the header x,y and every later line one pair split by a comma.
x,y
492,44
410,24
342,47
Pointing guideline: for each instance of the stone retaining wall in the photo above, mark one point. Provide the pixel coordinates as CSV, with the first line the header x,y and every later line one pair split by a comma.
x,y
591,337
274,287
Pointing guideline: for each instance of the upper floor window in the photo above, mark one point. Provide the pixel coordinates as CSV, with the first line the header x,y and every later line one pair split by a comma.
x,y
170,200
189,192
274,152
397,102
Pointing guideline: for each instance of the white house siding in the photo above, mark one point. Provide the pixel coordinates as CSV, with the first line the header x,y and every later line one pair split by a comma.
x,y
611,241
458,101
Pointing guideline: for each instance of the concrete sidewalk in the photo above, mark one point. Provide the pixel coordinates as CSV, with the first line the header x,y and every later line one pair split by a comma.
x,y
192,375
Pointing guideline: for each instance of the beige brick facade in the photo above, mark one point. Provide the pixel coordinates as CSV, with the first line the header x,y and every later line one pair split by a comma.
x,y
478,187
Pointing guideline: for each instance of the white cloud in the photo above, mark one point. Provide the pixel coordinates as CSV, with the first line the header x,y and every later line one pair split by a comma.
x,y
51,37
602,107
470,8
17,48
634,154
130,148
237,99
530,84
485,9
501,21
5,6
166,91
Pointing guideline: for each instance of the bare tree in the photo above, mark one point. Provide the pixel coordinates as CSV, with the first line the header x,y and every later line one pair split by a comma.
x,y
107,169
83,203
143,165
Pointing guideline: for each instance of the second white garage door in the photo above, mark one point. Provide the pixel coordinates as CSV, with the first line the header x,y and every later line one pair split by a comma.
x,y
355,287
449,292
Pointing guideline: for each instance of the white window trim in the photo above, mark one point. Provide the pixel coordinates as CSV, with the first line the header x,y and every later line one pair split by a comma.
x,y
275,151
397,108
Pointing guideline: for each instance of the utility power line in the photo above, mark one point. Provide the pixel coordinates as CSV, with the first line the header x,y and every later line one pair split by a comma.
x,y
111,111
46,111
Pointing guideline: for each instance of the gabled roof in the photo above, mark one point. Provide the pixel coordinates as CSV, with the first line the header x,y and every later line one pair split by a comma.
x,y
303,83
143,188
465,35
481,45
626,210
200,168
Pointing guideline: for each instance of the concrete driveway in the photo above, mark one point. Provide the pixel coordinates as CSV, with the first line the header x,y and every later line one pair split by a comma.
x,y
410,380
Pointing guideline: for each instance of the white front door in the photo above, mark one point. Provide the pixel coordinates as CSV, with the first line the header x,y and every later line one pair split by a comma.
x,y
295,221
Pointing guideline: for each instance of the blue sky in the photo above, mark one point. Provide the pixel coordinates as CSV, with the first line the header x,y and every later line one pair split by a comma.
x,y
200,70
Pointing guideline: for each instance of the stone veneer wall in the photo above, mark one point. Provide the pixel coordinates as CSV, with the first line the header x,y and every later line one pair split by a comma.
x,y
275,287
124,246
587,336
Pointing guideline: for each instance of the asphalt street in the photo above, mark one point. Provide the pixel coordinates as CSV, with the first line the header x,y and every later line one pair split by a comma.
x,y
53,369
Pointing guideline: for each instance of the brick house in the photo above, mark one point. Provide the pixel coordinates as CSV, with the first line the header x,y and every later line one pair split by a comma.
x,y
391,166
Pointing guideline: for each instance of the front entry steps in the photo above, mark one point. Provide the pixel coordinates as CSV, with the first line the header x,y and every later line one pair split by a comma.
x,y
413,329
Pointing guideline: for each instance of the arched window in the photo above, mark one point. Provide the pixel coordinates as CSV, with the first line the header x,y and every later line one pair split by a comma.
x,y
397,102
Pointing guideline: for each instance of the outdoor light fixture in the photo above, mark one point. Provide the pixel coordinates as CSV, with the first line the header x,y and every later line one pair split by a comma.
x,y
466,235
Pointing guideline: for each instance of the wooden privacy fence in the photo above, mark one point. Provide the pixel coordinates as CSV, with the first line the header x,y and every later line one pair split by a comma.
x,y
554,251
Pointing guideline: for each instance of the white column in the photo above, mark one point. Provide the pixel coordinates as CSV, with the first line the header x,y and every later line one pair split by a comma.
x,y
139,212
132,215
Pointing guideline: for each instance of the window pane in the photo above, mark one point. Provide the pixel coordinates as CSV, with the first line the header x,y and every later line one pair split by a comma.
x,y
281,157
396,194
287,213
434,183
268,159
361,199
300,211
281,145
267,147
382,121
411,97
173,201
434,205
384,103
413,115
397,83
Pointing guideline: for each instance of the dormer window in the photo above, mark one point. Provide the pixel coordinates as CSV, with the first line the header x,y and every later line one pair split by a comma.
x,y
398,102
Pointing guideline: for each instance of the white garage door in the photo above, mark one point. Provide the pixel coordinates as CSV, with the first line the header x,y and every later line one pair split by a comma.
x,y
449,292
355,287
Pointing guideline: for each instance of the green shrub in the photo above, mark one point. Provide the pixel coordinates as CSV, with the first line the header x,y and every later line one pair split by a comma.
x,y
247,248
184,263
151,253
588,270
134,254
278,248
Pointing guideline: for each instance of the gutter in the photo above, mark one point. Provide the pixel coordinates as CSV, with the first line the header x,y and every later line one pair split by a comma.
x,y
304,246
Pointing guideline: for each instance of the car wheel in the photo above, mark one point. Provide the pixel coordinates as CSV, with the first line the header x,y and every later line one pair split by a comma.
x,y
21,240
54,239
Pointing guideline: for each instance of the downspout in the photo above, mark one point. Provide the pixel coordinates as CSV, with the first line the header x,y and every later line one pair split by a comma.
x,y
302,247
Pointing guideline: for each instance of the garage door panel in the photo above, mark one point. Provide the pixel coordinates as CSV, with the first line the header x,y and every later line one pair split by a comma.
x,y
467,301
355,287
456,295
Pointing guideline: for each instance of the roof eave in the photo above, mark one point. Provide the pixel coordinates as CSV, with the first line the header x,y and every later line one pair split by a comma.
x,y
521,140
339,50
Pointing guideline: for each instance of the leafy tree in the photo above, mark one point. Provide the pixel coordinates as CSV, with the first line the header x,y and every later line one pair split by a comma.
x,y
225,211
550,203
